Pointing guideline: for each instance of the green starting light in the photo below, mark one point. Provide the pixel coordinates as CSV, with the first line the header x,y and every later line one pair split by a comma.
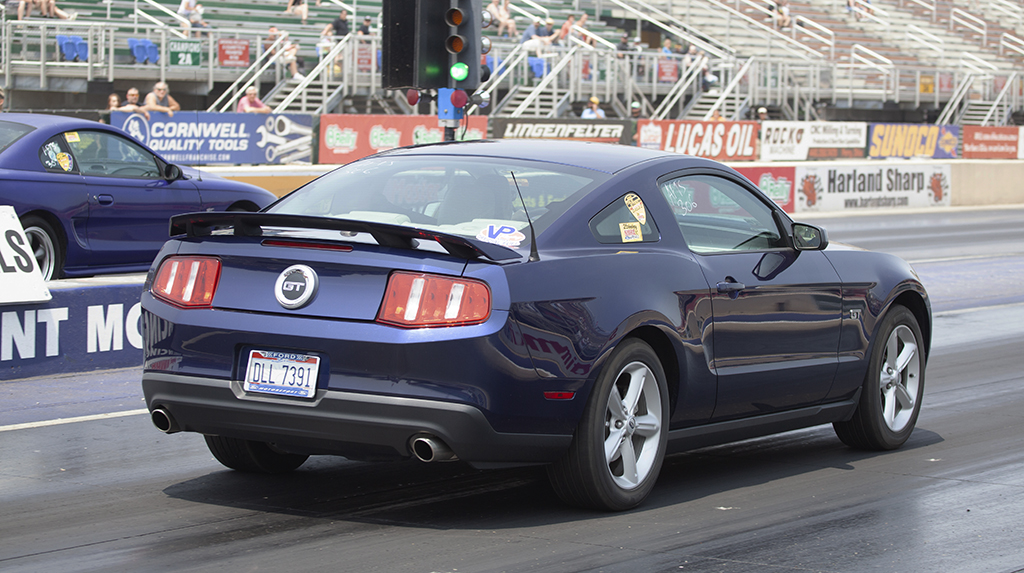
x,y
460,72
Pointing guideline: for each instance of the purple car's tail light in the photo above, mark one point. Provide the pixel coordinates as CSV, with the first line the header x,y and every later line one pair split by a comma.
x,y
187,282
417,300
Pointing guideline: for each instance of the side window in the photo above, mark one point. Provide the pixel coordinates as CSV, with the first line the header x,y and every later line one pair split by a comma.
x,y
718,215
105,154
625,220
55,157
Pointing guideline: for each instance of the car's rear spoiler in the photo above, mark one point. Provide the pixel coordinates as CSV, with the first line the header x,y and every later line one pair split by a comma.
x,y
398,236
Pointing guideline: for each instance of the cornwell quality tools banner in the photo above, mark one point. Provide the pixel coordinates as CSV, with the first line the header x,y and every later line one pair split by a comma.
x,y
867,185
802,140
908,140
720,140
607,131
344,138
203,138
993,142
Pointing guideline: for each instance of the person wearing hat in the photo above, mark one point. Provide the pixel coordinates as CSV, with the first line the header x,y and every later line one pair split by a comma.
x,y
364,28
540,37
635,115
762,114
623,45
593,110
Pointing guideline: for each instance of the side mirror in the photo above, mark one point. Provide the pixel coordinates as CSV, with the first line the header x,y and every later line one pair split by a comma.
x,y
172,172
809,238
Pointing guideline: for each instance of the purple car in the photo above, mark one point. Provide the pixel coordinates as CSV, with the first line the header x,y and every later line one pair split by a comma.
x,y
589,307
94,200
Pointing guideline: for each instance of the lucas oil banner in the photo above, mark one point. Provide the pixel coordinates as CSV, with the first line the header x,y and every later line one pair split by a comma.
x,y
204,138
720,140
345,138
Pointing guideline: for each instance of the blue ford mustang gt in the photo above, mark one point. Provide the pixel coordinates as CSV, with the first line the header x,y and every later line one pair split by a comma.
x,y
590,307
94,200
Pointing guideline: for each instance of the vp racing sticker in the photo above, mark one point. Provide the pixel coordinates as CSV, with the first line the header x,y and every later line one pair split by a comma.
x,y
503,235
636,207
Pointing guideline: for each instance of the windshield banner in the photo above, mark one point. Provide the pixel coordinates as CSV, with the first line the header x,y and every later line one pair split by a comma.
x,y
802,140
204,138
719,140
908,140
344,138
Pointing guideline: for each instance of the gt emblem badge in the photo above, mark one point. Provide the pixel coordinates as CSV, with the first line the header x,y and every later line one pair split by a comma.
x,y
296,286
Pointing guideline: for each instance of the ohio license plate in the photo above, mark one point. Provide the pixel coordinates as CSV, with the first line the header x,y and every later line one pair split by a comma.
x,y
282,373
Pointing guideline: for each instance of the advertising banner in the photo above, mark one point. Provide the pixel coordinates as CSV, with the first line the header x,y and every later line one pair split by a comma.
x,y
185,52
991,142
233,52
872,186
20,280
204,138
802,140
668,70
909,140
607,131
720,140
345,138
776,182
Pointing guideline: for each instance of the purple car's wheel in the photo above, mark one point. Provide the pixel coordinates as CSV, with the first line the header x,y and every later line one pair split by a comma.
x,y
893,388
45,245
250,456
619,446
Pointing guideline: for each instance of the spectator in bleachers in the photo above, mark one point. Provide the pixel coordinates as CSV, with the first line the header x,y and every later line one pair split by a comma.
x,y
593,110
47,8
113,103
364,28
762,114
131,103
251,103
25,8
499,10
566,29
692,56
582,23
299,8
717,115
160,100
540,37
289,51
623,45
338,27
784,18
666,46
197,23
708,80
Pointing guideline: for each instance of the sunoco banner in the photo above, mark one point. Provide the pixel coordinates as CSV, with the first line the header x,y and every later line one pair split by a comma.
x,y
871,186
802,140
345,138
720,140
607,131
202,138
908,140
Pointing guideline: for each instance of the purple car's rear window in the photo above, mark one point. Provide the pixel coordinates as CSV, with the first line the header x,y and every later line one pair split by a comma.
x,y
11,132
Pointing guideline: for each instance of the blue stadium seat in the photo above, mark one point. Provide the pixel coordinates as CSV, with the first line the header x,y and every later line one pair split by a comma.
x,y
67,47
152,52
538,65
82,51
138,50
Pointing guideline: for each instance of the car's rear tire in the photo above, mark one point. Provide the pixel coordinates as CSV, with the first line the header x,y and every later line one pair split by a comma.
x,y
617,452
249,456
46,246
893,388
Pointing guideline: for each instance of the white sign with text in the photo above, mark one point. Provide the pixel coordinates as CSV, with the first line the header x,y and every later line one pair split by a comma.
x,y
20,281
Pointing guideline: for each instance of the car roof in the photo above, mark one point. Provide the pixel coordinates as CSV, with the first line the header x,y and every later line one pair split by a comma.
x,y
39,121
604,157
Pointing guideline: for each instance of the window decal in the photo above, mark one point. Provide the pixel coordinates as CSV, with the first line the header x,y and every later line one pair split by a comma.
x,y
636,207
630,232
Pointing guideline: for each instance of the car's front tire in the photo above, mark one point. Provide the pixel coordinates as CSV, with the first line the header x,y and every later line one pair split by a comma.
x,y
893,388
617,452
46,246
250,456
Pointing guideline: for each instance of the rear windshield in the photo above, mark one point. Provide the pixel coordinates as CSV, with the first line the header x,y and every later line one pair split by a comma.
x,y
469,196
11,132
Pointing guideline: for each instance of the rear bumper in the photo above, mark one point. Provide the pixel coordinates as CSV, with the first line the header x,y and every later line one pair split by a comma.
x,y
355,425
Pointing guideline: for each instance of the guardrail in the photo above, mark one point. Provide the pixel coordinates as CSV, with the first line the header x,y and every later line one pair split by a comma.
x,y
928,5
965,19
927,40
1011,43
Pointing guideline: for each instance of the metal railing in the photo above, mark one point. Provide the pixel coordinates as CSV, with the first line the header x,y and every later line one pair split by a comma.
x,y
1011,43
676,27
730,90
927,40
864,9
790,44
999,106
973,23
250,75
928,5
323,73
955,101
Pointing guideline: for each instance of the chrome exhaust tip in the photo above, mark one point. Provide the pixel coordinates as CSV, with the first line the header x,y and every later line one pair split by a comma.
x,y
431,449
163,421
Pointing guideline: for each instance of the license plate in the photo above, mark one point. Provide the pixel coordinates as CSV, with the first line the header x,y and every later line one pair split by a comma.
x,y
282,373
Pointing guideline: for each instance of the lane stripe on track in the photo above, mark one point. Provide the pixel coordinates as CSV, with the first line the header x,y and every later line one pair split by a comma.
x,y
60,421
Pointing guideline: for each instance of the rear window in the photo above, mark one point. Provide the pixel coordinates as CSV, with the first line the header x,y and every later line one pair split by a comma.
x,y
469,196
11,132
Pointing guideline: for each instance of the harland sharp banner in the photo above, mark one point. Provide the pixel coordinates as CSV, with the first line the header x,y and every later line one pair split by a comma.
x,y
802,140
777,182
203,138
909,140
345,138
602,130
720,140
866,185
991,142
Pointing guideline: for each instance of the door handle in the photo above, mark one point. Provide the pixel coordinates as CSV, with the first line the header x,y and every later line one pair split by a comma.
x,y
105,199
730,286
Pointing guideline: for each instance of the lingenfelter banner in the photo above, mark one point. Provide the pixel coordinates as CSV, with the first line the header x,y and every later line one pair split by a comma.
x,y
344,138
203,138
992,142
602,130
858,186
720,140
910,140
802,140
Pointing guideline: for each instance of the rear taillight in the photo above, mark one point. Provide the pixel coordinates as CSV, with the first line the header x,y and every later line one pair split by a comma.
x,y
187,281
418,300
